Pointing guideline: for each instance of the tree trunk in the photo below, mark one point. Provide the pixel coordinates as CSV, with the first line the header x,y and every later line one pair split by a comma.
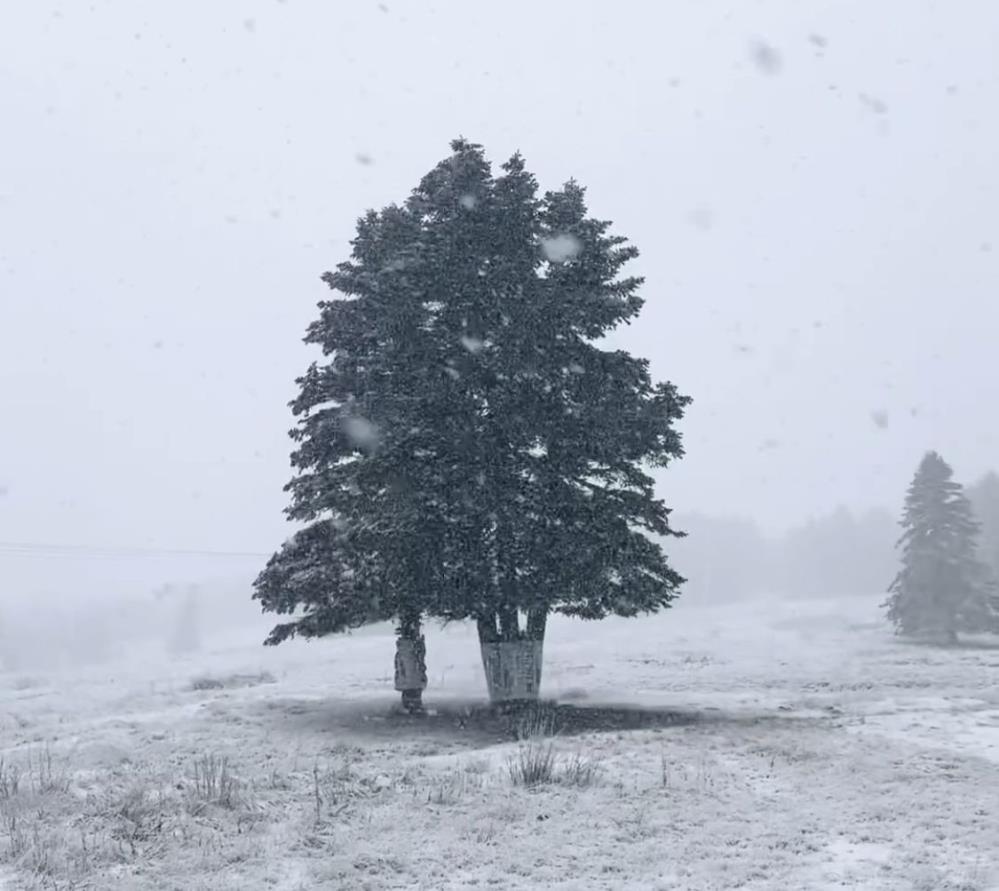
x,y
512,659
410,663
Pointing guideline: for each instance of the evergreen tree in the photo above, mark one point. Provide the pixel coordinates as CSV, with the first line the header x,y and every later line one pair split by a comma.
x,y
942,588
367,552
984,498
501,471
557,511
332,577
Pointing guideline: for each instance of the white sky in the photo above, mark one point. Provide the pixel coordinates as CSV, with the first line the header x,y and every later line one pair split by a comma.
x,y
820,241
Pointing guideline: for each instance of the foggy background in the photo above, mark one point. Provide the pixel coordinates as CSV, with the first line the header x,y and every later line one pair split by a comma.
x,y
812,187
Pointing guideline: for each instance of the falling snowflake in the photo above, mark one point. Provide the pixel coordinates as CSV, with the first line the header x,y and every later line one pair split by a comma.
x,y
467,201
765,57
472,344
560,248
701,217
880,418
873,103
364,159
361,432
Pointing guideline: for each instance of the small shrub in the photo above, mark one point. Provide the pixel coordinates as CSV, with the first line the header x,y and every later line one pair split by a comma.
x,y
214,783
453,786
10,780
580,771
533,764
40,776
478,766
535,722
138,816
483,833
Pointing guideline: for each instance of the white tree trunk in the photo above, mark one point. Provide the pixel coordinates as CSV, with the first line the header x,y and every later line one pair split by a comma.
x,y
513,669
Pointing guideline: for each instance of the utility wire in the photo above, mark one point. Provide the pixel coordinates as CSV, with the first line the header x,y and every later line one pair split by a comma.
x,y
42,549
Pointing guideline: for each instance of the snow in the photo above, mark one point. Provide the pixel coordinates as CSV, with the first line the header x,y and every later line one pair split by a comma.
x,y
766,58
361,432
560,248
758,745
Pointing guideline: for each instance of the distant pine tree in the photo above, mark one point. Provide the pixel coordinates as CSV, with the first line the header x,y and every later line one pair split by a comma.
x,y
942,588
984,498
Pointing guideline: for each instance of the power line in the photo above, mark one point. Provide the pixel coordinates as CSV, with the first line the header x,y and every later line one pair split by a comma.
x,y
43,549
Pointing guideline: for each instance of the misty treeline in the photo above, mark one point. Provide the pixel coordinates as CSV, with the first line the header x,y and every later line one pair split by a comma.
x,y
839,554
87,626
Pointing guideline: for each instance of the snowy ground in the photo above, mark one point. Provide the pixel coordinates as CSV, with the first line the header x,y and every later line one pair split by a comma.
x,y
765,745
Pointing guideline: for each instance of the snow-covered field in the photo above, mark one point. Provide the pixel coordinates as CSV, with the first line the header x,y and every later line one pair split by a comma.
x,y
760,745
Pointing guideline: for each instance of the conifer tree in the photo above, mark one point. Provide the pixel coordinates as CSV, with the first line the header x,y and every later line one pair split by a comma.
x,y
367,551
942,588
481,454
984,498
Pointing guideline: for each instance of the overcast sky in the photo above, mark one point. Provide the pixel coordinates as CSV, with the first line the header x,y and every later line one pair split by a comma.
x,y
813,187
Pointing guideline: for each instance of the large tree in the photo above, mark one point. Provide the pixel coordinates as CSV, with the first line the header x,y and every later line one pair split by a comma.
x,y
507,476
942,588
551,434
369,549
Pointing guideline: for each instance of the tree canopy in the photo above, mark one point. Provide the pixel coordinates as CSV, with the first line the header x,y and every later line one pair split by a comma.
x,y
469,447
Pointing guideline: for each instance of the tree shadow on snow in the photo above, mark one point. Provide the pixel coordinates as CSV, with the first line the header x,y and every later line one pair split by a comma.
x,y
989,642
473,724
978,643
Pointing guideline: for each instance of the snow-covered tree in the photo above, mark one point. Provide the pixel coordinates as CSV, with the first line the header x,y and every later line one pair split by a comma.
x,y
942,588
477,452
552,506
365,486
984,498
